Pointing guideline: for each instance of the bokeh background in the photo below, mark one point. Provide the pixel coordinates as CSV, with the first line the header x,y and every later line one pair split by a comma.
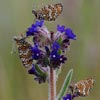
x,y
83,16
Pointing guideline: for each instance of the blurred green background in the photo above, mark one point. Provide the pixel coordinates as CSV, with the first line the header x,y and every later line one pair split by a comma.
x,y
83,16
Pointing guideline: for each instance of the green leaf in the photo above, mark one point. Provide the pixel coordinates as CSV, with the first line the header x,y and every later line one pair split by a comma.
x,y
39,70
59,40
59,51
65,85
46,61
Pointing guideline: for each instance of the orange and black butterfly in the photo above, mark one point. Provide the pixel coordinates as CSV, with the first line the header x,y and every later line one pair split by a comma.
x,y
48,12
25,52
83,87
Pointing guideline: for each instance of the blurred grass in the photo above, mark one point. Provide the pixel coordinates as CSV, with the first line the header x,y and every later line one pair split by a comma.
x,y
84,56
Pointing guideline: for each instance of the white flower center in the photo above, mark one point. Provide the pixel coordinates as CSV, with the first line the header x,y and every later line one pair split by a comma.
x,y
61,59
54,56
37,54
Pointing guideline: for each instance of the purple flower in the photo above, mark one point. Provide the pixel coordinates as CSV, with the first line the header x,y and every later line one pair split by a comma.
x,y
62,59
28,33
47,50
70,96
39,23
69,33
67,97
54,59
36,52
54,55
65,44
33,70
33,29
55,46
61,28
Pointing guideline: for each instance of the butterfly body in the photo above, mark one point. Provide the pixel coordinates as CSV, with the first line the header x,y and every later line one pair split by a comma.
x,y
24,49
83,87
48,12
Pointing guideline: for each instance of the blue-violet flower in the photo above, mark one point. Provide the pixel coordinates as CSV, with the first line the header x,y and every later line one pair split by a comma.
x,y
36,52
69,33
39,23
67,97
62,59
34,28
61,28
55,46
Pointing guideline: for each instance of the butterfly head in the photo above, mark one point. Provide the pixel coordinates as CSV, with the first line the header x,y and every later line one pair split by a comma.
x,y
34,12
38,14
19,40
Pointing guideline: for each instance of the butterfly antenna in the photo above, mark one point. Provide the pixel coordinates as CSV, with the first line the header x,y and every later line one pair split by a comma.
x,y
42,3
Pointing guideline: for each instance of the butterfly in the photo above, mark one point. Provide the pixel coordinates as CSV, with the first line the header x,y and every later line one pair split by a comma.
x,y
48,12
25,52
83,87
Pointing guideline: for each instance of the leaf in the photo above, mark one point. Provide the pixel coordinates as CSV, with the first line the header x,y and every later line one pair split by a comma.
x,y
59,51
59,40
65,85
39,70
46,61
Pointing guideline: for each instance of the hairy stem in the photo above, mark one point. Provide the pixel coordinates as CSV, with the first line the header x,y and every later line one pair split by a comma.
x,y
52,84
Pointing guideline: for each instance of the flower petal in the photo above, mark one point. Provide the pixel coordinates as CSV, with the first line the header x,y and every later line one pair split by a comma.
x,y
61,28
69,33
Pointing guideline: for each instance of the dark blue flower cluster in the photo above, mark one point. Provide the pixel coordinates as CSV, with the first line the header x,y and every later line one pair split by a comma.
x,y
68,32
67,97
62,59
55,46
55,57
36,52
61,28
34,28
70,96
49,47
